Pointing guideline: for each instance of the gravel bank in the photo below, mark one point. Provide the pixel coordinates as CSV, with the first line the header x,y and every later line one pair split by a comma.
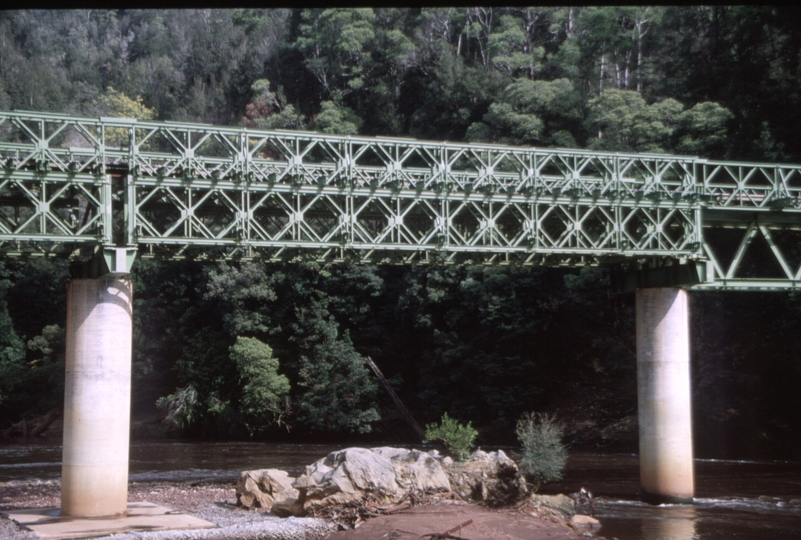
x,y
214,502
211,502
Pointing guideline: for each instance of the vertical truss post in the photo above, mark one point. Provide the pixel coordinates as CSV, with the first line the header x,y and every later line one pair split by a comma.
x,y
106,208
130,210
346,233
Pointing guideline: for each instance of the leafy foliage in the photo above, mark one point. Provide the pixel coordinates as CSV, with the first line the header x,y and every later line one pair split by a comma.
x,y
649,78
32,376
265,393
458,438
181,406
544,454
114,103
333,388
12,356
337,392
337,119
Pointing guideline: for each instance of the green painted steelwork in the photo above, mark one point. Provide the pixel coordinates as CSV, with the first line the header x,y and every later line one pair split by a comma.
x,y
78,186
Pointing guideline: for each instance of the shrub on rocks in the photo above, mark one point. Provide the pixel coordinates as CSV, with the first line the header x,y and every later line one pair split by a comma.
x,y
544,454
458,438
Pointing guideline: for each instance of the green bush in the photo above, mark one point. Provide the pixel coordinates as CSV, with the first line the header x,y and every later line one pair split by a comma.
x,y
182,406
265,392
544,454
458,438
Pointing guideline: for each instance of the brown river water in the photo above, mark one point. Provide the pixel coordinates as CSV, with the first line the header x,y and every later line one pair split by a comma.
x,y
751,500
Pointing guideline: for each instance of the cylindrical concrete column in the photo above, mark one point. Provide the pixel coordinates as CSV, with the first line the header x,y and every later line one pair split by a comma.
x,y
670,523
663,392
97,398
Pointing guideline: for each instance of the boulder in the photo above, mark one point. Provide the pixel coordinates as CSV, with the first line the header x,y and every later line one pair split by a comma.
x,y
257,489
347,476
420,471
561,504
580,521
488,478
390,452
288,502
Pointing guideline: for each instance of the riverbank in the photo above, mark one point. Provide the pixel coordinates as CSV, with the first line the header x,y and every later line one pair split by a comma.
x,y
215,502
212,502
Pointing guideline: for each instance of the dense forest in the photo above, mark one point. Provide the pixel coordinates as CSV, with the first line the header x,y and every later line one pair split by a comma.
x,y
256,350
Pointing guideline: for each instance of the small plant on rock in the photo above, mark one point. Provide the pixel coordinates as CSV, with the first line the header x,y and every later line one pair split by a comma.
x,y
544,454
457,437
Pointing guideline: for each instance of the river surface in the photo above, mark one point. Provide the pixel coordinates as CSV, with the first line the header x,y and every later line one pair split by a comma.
x,y
750,500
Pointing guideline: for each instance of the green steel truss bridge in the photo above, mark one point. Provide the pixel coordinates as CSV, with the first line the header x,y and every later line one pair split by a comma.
x,y
82,187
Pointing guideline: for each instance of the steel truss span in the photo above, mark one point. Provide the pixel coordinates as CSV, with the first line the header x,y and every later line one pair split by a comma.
x,y
72,185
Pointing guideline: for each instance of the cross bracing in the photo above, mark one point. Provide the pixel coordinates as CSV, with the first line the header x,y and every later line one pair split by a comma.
x,y
68,185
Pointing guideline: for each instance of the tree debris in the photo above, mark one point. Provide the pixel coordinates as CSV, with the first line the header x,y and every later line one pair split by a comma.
x,y
448,533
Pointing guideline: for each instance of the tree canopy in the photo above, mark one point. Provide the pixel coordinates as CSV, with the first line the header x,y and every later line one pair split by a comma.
x,y
719,81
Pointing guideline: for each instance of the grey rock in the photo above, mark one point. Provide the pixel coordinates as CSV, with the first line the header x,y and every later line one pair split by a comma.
x,y
288,502
258,488
347,476
562,504
487,479
389,452
580,521
420,471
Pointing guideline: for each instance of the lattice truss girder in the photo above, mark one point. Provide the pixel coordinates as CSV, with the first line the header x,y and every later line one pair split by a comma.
x,y
174,213
180,190
48,213
753,255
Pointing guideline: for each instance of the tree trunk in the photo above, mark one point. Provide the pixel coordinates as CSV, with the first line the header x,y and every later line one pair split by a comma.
x,y
601,78
45,422
571,19
35,427
398,403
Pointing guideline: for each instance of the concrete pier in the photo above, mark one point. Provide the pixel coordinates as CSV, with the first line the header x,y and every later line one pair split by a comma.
x,y
97,400
663,392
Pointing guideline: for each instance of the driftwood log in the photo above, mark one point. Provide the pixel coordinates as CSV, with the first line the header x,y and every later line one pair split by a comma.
x,y
35,427
398,403
449,532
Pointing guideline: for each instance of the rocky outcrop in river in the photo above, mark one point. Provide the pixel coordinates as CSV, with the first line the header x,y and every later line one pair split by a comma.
x,y
382,475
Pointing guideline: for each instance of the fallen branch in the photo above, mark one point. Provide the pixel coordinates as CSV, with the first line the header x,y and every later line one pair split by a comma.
x,y
448,533
397,508
348,515
33,428
45,423
398,403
